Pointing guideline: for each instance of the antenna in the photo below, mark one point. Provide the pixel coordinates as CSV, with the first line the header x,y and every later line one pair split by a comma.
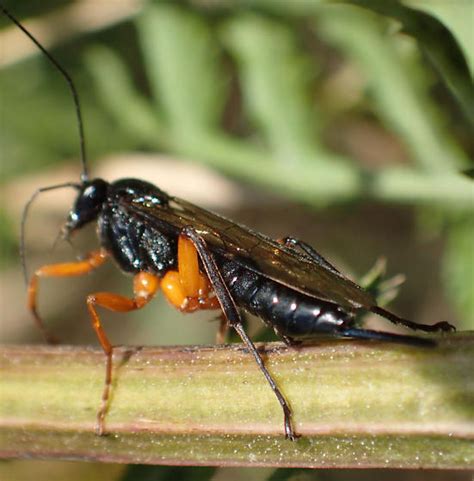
x,y
84,174
25,216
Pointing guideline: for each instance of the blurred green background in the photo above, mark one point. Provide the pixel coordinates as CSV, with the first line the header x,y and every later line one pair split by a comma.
x,y
346,124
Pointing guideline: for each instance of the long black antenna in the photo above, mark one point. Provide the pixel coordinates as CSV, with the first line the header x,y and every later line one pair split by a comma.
x,y
84,175
25,216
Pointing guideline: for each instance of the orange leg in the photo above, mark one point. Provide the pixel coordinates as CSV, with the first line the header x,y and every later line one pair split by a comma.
x,y
78,268
145,286
187,289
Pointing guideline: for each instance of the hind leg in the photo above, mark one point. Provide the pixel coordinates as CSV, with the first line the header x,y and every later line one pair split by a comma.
x,y
438,327
234,319
188,289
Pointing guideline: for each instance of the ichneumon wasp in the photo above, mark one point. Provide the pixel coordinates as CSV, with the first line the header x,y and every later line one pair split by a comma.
x,y
200,261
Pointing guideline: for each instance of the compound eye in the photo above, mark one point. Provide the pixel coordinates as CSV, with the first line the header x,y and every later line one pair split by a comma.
x,y
92,195
88,204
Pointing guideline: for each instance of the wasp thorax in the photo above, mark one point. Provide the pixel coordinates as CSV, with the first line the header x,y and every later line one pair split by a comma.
x,y
88,204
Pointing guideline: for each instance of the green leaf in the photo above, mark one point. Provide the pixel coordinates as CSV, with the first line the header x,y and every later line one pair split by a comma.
x,y
37,125
188,125
400,95
382,288
444,33
131,111
443,30
182,62
455,17
458,270
274,74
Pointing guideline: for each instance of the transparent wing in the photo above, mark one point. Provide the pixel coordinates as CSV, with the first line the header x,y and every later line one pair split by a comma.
x,y
257,252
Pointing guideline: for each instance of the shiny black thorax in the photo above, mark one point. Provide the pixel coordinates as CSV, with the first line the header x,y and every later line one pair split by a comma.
x,y
136,243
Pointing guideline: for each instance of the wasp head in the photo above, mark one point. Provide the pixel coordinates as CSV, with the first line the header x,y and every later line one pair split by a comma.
x,y
88,204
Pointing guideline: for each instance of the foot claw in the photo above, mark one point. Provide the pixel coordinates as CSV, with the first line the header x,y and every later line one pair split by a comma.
x,y
292,436
99,428
444,327
289,433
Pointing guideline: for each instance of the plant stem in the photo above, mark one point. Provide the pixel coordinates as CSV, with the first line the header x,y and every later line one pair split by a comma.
x,y
355,404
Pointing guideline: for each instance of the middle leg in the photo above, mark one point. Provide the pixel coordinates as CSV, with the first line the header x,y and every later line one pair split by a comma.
x,y
188,289
145,286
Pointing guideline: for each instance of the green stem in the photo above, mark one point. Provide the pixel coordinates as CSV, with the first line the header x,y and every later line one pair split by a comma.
x,y
355,405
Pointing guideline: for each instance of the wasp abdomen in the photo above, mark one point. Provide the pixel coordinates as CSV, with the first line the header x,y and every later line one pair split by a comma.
x,y
289,312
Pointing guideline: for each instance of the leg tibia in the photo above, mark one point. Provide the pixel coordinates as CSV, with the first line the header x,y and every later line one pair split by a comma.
x,y
68,269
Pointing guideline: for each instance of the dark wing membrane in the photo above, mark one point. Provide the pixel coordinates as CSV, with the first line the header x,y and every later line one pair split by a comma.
x,y
257,252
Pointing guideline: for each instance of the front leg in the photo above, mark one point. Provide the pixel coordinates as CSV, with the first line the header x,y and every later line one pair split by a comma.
x,y
68,269
232,315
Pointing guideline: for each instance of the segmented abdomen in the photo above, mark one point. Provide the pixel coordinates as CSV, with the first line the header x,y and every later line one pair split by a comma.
x,y
289,312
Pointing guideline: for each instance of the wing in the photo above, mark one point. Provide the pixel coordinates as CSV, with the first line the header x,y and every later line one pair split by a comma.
x,y
257,252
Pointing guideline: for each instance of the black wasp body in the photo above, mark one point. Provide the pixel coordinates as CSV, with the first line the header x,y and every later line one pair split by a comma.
x,y
139,226
140,244
204,261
